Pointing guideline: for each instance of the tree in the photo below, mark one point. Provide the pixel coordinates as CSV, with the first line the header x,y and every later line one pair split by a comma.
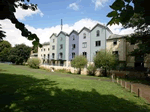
x,y
105,60
133,14
5,54
35,49
79,62
7,10
19,54
4,44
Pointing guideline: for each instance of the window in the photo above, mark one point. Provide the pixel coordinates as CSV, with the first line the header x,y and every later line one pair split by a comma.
x,y
84,36
48,49
115,42
41,55
53,47
61,46
73,37
132,43
73,55
73,46
115,52
53,55
96,52
85,54
48,56
41,49
44,55
84,44
53,40
97,33
61,38
44,49
61,55
97,43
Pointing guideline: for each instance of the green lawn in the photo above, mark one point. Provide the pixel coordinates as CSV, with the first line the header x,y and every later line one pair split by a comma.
x,y
23,89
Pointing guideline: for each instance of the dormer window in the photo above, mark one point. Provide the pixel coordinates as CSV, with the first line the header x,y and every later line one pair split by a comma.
x,y
73,37
84,36
61,38
115,42
97,33
53,40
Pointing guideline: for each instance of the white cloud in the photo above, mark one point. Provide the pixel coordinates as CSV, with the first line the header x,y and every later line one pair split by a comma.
x,y
74,6
99,3
14,35
21,14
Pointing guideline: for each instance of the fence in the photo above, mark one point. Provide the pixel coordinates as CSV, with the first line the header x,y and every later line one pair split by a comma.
x,y
139,89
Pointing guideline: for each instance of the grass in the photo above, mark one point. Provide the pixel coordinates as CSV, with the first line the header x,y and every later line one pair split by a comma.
x,y
23,89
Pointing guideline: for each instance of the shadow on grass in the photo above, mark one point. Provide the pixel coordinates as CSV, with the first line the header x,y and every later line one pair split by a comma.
x,y
19,93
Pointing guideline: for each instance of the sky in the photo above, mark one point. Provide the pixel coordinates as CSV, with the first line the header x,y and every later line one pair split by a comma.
x,y
47,19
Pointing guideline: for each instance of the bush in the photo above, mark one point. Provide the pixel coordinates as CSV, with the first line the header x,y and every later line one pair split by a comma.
x,y
34,62
91,69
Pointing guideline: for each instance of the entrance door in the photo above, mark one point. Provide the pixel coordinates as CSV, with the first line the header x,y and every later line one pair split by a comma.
x,y
61,63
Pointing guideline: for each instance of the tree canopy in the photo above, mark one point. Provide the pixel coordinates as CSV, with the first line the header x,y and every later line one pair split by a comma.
x,y
4,44
79,62
19,54
7,10
133,14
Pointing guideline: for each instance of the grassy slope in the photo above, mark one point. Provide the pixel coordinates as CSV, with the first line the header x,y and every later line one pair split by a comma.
x,y
26,90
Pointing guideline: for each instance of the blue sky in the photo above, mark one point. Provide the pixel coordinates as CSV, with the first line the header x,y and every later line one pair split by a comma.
x,y
76,14
54,10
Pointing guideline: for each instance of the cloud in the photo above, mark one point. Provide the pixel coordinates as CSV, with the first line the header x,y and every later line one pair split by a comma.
x,y
74,6
21,14
99,3
14,35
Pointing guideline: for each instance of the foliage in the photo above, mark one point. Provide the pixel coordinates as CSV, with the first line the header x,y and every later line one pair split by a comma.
x,y
35,49
4,55
19,54
34,62
79,62
91,69
2,34
133,14
105,60
7,11
4,44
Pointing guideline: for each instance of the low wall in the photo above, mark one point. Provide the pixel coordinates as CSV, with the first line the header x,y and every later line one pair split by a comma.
x,y
130,74
71,69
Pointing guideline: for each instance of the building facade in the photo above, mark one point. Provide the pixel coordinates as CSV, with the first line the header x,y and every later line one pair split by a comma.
x,y
98,37
73,44
53,49
84,43
62,49
44,53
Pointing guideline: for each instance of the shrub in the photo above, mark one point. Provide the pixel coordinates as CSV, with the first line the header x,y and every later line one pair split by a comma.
x,y
34,62
91,69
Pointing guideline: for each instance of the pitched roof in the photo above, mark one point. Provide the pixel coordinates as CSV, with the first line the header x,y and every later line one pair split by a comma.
x,y
83,29
63,33
53,34
73,31
46,43
98,24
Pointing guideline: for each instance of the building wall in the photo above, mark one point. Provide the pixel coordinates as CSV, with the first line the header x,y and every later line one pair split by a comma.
x,y
81,40
55,44
93,38
63,42
120,47
76,42
41,53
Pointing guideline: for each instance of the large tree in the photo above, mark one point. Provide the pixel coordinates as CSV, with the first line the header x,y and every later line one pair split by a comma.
x,y
5,54
7,10
133,14
19,54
